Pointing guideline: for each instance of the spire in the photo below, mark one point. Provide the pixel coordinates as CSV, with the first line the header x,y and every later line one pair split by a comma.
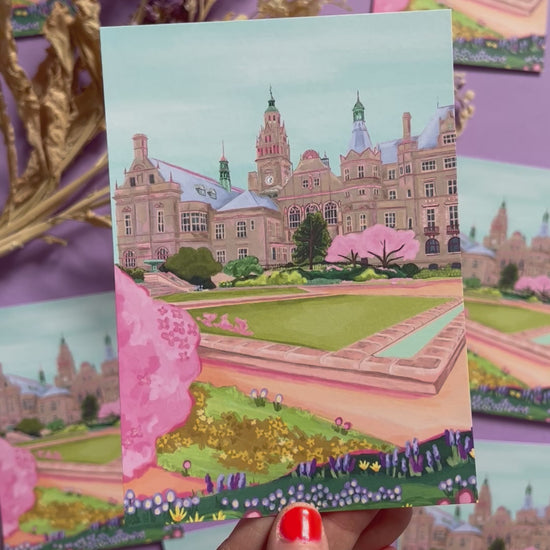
x,y
528,502
109,352
473,233
271,101
503,204
222,158
41,376
358,110
360,139
225,176
546,217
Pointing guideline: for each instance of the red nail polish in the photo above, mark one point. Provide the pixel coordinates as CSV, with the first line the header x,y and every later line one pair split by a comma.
x,y
301,523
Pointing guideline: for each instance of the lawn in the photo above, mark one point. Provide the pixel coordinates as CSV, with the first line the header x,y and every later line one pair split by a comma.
x,y
329,323
229,294
484,373
506,318
95,450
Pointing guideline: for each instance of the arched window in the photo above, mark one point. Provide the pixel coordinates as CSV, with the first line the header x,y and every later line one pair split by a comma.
x,y
311,209
349,224
331,213
162,253
432,246
294,217
129,258
454,244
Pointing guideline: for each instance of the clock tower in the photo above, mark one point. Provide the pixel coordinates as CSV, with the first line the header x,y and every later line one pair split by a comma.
x,y
272,152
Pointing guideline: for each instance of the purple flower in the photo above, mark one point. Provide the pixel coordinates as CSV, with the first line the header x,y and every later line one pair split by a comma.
x,y
351,465
219,483
338,465
302,469
403,465
242,481
312,468
395,458
415,448
209,484
468,444
429,459
408,449
416,463
332,463
449,438
435,451
235,481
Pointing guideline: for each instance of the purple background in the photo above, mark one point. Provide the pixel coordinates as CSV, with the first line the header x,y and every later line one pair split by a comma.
x,y
511,124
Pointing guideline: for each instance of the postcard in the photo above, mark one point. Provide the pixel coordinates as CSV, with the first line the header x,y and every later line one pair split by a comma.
x,y
28,16
506,269
290,316
60,453
503,34
512,511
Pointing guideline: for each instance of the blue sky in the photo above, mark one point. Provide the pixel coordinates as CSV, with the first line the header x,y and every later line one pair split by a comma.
x,y
31,333
483,185
188,87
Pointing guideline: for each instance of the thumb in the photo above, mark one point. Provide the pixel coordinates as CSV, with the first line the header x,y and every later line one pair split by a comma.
x,y
298,527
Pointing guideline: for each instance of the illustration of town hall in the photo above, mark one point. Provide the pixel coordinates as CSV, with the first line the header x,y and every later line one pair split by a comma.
x,y
407,183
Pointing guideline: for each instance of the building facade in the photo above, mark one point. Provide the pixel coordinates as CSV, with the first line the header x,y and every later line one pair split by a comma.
x,y
22,397
406,183
486,260
435,529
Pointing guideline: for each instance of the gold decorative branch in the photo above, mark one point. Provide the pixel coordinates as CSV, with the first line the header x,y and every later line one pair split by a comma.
x,y
60,117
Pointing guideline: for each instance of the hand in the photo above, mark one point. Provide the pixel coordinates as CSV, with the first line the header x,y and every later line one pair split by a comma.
x,y
301,527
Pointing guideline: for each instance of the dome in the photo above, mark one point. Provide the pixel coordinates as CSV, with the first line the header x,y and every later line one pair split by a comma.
x,y
310,154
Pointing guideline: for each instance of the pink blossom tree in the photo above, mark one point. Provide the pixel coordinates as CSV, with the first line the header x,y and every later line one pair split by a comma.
x,y
385,244
379,6
539,286
18,478
158,360
109,409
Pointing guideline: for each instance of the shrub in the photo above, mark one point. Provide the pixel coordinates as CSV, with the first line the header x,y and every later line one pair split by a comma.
x,y
471,283
443,272
322,281
410,270
487,291
136,273
30,426
55,425
369,275
275,278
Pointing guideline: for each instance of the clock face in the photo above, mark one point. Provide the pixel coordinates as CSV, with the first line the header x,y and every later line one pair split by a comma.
x,y
269,180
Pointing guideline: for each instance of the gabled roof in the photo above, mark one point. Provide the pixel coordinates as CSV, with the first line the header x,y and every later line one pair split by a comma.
x,y
480,250
247,199
388,151
428,138
360,139
33,387
196,187
467,528
443,518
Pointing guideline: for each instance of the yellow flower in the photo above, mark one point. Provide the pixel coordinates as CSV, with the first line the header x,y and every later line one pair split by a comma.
x,y
375,466
220,516
364,465
407,505
178,514
473,453
195,519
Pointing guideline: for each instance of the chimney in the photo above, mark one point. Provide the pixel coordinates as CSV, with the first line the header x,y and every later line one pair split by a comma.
x,y
406,125
140,147
325,160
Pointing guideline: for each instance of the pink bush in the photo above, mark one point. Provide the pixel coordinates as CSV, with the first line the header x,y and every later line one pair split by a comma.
x,y
109,409
384,244
540,286
158,360
379,6
17,481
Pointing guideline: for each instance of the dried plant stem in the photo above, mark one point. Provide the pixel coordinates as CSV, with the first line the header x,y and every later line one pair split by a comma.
x,y
9,137
204,8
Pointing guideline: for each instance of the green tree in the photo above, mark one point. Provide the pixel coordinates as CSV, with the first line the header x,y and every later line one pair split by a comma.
x,y
89,408
497,544
312,239
243,268
509,276
30,426
195,266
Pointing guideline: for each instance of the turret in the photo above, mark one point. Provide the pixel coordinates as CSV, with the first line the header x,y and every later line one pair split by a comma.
x,y
140,147
225,177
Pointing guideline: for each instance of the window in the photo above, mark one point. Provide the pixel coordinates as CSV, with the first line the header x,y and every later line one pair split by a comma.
x,y
129,258
427,165
331,213
347,194
162,253
346,174
375,171
201,190
362,222
127,224
454,244
311,209
219,232
349,224
294,217
376,192
132,182
401,170
430,216
389,219
451,187
151,178
430,189
241,231
220,256
273,253
409,193
449,162
449,138
212,193
185,221
408,169
453,216
361,171
392,194
160,221
391,174
432,246
305,183
410,224
199,221
362,191
316,182
242,253
252,225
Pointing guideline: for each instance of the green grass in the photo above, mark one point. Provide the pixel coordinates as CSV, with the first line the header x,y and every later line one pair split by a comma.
x,y
96,450
52,495
506,319
498,378
327,323
229,294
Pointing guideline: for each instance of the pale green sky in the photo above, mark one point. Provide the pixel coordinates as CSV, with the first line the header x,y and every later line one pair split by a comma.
x,y
188,87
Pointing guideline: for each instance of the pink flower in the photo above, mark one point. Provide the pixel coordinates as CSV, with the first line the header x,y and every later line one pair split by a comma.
x,y
347,425
187,464
465,496
338,421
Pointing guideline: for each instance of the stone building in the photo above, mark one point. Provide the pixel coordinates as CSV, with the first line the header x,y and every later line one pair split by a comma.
x,y
435,529
406,183
22,397
486,261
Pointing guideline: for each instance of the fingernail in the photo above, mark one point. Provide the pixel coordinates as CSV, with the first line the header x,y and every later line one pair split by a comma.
x,y
301,523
